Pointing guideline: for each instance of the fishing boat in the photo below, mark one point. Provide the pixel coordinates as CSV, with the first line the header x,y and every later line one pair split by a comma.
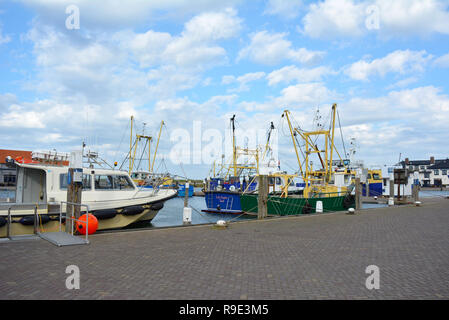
x,y
222,191
112,197
319,185
147,179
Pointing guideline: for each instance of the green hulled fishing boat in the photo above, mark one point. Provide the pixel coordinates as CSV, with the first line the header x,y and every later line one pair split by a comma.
x,y
280,206
319,185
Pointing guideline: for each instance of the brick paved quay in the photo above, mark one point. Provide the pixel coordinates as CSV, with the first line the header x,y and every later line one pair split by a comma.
x,y
313,257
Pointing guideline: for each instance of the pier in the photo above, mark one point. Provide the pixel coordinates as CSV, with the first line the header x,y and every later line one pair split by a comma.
x,y
307,257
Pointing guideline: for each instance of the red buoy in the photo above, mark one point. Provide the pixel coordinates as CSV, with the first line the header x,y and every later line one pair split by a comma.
x,y
92,224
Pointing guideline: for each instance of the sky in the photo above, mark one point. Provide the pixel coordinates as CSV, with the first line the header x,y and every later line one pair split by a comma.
x,y
74,71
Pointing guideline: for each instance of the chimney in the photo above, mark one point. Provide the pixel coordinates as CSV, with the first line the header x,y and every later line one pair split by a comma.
x,y
432,160
407,161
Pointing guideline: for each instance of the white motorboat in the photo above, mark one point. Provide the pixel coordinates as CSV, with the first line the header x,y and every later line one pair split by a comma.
x,y
112,196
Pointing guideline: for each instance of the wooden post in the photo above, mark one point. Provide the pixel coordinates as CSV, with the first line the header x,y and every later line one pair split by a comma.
x,y
262,197
74,188
367,188
74,193
358,194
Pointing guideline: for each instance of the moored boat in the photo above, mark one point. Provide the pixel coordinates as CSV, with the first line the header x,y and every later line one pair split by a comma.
x,y
110,194
324,185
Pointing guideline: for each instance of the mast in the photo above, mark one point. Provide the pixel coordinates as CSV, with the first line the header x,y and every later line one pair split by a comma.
x,y
334,111
131,145
157,144
268,140
234,151
286,113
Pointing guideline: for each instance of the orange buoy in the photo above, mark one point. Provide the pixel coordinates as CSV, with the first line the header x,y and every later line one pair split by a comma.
x,y
92,224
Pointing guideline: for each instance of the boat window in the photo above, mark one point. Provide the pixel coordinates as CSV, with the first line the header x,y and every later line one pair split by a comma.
x,y
122,183
278,181
103,182
369,176
87,181
347,178
376,176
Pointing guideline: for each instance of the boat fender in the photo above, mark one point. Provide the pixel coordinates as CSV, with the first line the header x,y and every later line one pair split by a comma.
x,y
105,214
307,209
131,211
29,220
348,201
157,206
2,221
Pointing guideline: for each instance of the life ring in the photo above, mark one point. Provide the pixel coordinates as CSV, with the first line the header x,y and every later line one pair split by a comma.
x,y
105,214
131,211
232,188
2,221
29,220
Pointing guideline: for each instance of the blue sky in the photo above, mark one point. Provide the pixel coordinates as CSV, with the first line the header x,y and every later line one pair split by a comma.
x,y
385,63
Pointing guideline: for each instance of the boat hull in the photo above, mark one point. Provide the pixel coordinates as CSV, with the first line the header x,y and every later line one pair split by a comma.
x,y
227,202
295,206
375,189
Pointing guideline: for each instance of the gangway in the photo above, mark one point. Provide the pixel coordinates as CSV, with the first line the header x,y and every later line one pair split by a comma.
x,y
60,238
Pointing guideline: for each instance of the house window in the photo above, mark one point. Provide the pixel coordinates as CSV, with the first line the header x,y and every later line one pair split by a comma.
x,y
427,175
444,172
422,167
436,172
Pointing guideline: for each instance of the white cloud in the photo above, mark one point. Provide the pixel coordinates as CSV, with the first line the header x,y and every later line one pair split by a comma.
x,y
286,9
4,38
292,73
334,18
442,61
195,48
348,18
305,93
113,14
413,17
272,48
302,95
400,61
242,80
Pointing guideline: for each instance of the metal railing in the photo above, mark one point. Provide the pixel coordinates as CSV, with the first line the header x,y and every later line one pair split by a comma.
x,y
36,218
72,217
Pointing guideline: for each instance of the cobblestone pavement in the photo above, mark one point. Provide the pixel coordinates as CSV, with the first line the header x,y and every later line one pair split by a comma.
x,y
312,257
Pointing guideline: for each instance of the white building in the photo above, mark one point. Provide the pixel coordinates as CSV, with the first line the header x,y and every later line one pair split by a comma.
x,y
431,172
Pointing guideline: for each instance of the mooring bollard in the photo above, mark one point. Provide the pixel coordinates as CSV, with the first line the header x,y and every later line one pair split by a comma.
x,y
319,207
390,202
351,211
187,216
187,212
